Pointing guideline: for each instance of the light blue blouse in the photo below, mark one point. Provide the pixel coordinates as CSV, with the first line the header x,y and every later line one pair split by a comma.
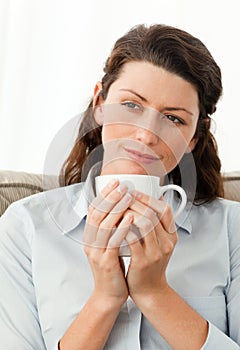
x,y
45,278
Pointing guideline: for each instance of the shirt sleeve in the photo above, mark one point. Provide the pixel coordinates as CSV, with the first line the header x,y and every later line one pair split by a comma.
x,y
19,323
233,291
217,339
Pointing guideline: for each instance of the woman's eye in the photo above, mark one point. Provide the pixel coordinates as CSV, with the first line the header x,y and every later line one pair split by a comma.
x,y
132,105
174,119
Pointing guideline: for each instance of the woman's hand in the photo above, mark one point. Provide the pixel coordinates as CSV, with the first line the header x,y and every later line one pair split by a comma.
x,y
102,246
92,326
146,276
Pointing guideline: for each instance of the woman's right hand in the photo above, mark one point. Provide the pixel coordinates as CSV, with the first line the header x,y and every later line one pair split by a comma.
x,y
105,215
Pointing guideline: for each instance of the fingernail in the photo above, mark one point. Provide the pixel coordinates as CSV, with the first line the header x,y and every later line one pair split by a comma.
x,y
127,198
122,188
136,194
128,218
112,183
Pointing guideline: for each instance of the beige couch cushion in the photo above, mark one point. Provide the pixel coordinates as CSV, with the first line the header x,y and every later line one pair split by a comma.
x,y
232,185
15,185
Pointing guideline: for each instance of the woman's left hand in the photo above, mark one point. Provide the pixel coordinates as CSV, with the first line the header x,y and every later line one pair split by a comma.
x,y
146,276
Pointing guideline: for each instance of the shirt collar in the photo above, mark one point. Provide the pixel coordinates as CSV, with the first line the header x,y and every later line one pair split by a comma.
x,y
88,192
183,221
68,206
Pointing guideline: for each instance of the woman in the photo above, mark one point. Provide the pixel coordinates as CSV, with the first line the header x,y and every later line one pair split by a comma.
x,y
150,114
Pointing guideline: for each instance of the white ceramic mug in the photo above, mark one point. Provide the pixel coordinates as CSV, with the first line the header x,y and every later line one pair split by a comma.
x,y
147,184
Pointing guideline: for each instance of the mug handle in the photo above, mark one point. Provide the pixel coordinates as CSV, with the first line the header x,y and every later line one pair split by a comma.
x,y
182,193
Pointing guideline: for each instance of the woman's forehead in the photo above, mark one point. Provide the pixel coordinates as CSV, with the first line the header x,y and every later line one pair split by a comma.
x,y
156,86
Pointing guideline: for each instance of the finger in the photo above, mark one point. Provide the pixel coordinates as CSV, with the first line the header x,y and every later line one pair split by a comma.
x,y
158,205
101,206
167,220
96,213
135,245
121,232
155,238
108,225
166,241
104,203
89,234
146,228
117,211
163,210
109,187
145,211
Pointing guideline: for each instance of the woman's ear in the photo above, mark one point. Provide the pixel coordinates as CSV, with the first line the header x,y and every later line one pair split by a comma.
x,y
97,101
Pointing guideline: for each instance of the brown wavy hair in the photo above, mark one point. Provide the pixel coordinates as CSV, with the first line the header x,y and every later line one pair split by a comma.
x,y
180,53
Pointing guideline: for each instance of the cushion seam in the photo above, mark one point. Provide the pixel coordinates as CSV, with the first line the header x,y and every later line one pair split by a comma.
x,y
24,185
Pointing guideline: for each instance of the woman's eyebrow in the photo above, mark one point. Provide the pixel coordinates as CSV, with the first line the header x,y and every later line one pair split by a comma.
x,y
135,93
179,109
167,108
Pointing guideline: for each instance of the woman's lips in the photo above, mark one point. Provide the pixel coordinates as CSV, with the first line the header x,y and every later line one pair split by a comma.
x,y
140,157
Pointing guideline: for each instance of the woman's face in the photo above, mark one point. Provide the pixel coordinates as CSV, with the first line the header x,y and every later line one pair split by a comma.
x,y
149,120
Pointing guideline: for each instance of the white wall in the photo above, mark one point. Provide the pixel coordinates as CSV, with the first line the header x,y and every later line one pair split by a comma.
x,y
52,53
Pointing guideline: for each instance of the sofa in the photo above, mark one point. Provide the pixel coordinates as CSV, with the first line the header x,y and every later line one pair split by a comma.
x,y
15,185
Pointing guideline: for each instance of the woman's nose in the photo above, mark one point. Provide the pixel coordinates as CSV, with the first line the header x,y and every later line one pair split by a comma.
x,y
146,136
147,127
